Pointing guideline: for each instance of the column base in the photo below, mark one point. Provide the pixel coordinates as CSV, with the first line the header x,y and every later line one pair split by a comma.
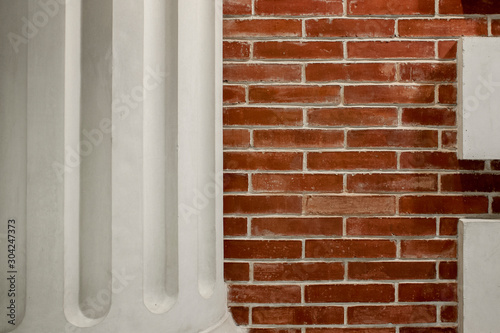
x,y
225,325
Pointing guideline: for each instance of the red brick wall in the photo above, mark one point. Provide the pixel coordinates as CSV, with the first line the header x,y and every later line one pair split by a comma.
x,y
343,189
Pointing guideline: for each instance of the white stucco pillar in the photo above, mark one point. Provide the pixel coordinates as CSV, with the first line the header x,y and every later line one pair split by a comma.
x,y
111,166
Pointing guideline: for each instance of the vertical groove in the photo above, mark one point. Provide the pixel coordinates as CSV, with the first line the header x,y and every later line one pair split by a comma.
x,y
13,164
206,123
88,150
161,263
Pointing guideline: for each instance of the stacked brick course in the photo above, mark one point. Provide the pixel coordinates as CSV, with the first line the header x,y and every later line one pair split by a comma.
x,y
342,185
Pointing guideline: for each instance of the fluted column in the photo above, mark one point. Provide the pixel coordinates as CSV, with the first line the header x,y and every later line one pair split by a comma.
x,y
110,119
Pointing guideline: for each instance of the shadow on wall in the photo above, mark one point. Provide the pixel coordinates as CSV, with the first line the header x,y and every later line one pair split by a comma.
x,y
477,6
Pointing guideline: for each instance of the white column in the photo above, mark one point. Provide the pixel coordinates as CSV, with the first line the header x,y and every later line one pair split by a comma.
x,y
111,131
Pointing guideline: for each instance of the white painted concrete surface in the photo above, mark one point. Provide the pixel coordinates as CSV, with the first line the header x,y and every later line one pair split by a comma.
x,y
127,235
478,98
479,276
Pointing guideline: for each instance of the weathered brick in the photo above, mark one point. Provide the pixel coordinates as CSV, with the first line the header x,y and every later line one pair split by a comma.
x,y
344,293
298,138
387,270
296,94
350,28
263,294
350,248
390,49
262,28
426,72
433,248
392,314
423,94
434,204
351,205
303,226
392,138
353,117
429,116
427,292
362,72
237,73
298,50
308,271
262,249
262,161
391,226
298,7
443,27
348,160
381,7
300,315
236,271
255,116
252,204
297,182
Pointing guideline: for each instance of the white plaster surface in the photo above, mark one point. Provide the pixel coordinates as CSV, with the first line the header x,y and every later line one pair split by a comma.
x,y
478,98
94,270
479,276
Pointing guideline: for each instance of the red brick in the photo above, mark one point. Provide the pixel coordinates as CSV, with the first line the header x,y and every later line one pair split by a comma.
x,y
427,292
260,249
469,7
236,138
429,116
384,182
392,7
296,94
298,138
298,7
237,7
241,314
495,27
252,116
449,139
262,161
326,72
353,117
443,27
350,28
404,270
298,50
297,182
236,50
434,204
447,49
392,138
389,94
235,226
449,314
234,94
496,205
236,271
419,72
495,165
303,226
437,160
391,226
428,329
470,183
433,248
348,160
350,248
448,270
447,94
448,226
262,73
308,271
299,315
262,28
344,293
245,204
234,182
351,330
263,294
390,49
351,205
396,314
